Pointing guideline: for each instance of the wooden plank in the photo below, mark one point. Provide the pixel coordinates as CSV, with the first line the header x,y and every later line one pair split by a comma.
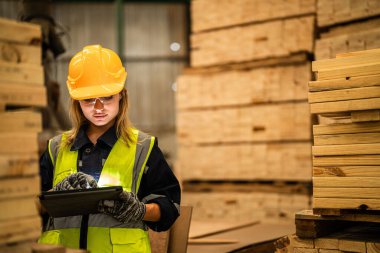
x,y
21,121
344,83
19,229
350,60
359,53
344,106
353,149
341,139
23,95
349,216
358,193
269,122
359,70
347,171
365,116
16,53
270,161
373,247
340,203
340,11
351,128
352,182
19,187
21,73
252,42
18,143
352,246
207,15
346,160
245,207
199,229
19,165
11,208
22,32
280,83
344,94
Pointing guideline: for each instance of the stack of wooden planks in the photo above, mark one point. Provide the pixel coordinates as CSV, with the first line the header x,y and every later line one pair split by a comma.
x,y
21,85
346,147
242,112
347,26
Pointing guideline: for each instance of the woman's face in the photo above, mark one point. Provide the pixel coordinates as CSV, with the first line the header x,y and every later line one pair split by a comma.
x,y
101,111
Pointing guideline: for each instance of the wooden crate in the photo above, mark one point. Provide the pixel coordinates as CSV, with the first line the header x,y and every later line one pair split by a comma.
x,y
268,122
262,161
352,37
341,11
253,42
243,87
268,207
212,14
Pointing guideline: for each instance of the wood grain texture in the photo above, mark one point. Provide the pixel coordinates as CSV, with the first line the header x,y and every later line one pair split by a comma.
x,y
208,15
21,32
244,87
252,42
269,122
347,171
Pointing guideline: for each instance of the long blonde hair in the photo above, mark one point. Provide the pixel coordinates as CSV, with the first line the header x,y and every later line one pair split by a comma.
x,y
123,124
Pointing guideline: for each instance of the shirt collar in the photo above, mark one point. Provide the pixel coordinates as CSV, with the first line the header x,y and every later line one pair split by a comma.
x,y
109,138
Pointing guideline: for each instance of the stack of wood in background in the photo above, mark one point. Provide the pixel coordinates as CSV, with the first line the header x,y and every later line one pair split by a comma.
x,y
347,26
21,85
243,123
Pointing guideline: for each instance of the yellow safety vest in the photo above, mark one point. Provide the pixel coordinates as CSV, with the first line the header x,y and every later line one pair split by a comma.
x,y
124,166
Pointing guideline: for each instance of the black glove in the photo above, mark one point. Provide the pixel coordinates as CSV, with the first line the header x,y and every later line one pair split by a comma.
x,y
77,180
127,209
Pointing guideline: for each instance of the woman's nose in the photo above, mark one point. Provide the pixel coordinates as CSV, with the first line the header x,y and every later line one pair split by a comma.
x,y
98,104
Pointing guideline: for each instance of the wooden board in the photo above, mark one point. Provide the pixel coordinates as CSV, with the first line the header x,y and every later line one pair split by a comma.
x,y
19,143
341,11
11,208
347,171
207,15
341,182
269,161
21,73
23,95
269,122
14,230
350,128
348,72
345,83
344,106
244,87
344,94
344,41
16,187
342,139
16,53
346,203
19,164
349,149
347,193
252,42
245,206
21,32
347,160
365,116
21,121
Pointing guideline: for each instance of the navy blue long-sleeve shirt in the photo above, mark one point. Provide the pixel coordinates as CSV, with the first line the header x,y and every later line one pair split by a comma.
x,y
158,179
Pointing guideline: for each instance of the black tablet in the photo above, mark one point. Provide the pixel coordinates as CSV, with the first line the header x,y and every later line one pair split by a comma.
x,y
77,202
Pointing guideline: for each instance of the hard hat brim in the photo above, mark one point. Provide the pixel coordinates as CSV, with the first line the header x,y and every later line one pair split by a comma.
x,y
103,90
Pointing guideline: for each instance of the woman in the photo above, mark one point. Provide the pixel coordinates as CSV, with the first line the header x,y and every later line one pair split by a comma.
x,y
102,149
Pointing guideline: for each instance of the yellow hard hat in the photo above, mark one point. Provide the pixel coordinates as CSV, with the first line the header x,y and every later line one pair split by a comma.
x,y
95,72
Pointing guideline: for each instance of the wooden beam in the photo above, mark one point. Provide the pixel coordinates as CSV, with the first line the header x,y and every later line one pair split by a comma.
x,y
359,70
341,182
344,83
344,94
342,139
351,128
355,193
339,203
344,106
346,160
347,171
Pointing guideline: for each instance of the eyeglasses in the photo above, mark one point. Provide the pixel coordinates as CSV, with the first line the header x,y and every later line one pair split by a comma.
x,y
92,101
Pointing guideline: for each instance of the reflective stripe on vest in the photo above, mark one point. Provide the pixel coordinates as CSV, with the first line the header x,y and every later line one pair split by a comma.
x,y
124,166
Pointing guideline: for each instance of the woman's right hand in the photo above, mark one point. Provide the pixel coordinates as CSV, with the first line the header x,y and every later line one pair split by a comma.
x,y
77,180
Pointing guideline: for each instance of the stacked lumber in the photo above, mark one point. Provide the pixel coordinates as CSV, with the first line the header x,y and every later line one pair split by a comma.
x,y
21,85
347,26
346,149
242,111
